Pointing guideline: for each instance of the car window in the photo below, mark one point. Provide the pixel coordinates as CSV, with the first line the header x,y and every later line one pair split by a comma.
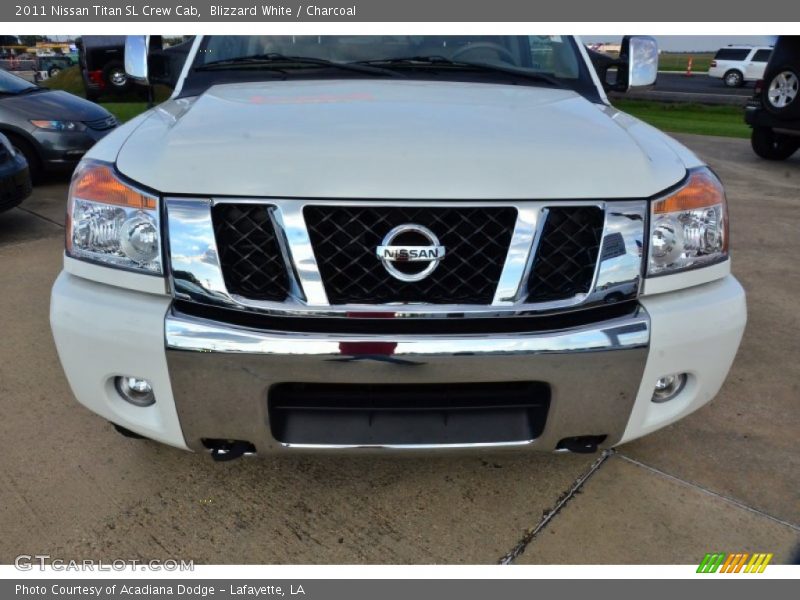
x,y
762,56
731,54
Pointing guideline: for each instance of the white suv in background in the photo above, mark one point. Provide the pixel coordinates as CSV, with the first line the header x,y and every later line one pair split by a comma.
x,y
737,64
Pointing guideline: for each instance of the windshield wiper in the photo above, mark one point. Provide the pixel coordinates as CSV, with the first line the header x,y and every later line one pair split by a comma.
x,y
436,60
30,90
280,62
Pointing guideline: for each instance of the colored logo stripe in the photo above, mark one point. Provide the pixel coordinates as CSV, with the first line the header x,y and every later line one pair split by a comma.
x,y
711,562
758,563
734,563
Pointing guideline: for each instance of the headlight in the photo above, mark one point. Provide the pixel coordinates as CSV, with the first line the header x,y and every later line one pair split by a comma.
x,y
689,228
109,221
59,125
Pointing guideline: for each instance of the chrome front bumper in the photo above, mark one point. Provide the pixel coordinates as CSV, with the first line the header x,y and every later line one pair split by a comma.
x,y
221,374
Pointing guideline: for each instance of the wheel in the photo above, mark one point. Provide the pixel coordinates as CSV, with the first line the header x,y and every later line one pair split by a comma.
x,y
116,77
54,71
733,78
772,146
781,92
27,150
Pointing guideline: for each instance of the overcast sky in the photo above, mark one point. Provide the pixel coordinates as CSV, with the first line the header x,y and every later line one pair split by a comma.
x,y
692,43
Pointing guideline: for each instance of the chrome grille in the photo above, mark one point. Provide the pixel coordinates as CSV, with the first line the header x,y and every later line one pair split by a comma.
x,y
566,257
251,259
280,256
345,238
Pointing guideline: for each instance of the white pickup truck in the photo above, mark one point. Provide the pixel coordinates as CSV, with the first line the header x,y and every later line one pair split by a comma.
x,y
394,242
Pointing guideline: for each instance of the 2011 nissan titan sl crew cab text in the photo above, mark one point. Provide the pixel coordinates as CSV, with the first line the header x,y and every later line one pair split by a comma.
x,y
401,243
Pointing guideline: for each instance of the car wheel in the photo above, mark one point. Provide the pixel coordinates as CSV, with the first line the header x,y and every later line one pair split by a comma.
x,y
772,146
31,155
733,78
116,77
54,71
782,91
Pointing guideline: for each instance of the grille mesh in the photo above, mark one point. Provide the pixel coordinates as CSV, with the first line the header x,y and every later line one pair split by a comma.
x,y
251,259
103,124
565,260
345,239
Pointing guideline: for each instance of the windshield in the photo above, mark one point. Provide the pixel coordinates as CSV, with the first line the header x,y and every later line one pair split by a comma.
x,y
11,84
550,54
522,59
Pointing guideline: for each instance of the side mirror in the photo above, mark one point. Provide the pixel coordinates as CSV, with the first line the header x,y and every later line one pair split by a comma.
x,y
137,48
148,62
636,66
642,53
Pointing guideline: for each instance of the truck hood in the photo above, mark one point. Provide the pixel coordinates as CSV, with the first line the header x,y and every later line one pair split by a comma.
x,y
397,140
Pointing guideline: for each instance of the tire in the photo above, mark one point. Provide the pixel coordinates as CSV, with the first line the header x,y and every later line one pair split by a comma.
x,y
781,93
53,71
733,78
115,77
31,155
771,146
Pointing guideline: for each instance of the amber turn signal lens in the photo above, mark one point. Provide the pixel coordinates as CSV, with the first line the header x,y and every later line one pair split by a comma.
x,y
702,190
97,183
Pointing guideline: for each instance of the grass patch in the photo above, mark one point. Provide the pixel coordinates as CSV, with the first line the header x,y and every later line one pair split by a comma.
x,y
726,121
68,79
124,111
676,61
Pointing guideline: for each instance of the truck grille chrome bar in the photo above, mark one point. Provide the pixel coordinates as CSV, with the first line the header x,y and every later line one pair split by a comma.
x,y
316,258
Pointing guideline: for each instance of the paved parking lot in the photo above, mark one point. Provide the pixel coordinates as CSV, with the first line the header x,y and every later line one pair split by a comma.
x,y
725,479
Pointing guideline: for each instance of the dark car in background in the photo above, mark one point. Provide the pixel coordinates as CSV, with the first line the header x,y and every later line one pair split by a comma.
x,y
774,110
51,128
15,180
102,61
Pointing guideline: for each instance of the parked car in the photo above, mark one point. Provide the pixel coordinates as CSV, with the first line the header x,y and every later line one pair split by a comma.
x,y
51,128
774,110
395,242
737,64
15,180
53,65
101,58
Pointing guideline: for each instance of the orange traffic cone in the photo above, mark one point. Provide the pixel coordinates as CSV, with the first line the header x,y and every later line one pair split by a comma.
x,y
689,67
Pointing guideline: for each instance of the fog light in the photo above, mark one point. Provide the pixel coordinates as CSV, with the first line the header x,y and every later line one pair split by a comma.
x,y
137,391
669,386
